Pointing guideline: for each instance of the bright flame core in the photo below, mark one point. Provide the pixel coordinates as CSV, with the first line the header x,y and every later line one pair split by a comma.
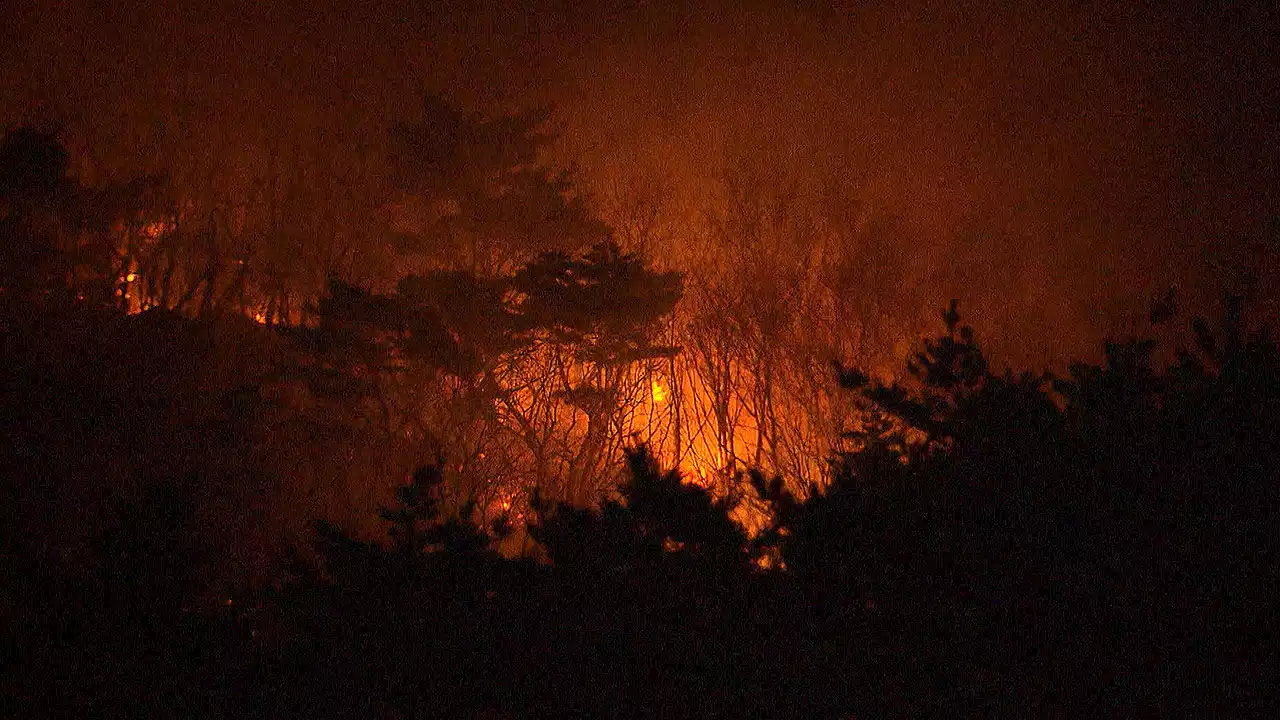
x,y
659,392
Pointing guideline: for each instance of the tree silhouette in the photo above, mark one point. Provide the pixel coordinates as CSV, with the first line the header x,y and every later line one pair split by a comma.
x,y
543,359
492,202
33,191
1044,542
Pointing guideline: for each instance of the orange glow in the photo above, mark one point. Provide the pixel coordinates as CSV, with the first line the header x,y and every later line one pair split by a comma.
x,y
154,229
659,392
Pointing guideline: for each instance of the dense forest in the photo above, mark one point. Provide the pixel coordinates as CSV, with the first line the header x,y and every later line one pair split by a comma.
x,y
428,437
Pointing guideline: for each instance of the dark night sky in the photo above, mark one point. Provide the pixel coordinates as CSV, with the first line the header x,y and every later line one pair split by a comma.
x,y
1084,155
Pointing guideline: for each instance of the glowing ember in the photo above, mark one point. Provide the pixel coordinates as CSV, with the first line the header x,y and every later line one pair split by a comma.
x,y
154,229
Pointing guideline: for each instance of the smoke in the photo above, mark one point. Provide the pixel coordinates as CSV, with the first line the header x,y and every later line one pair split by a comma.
x,y
1055,165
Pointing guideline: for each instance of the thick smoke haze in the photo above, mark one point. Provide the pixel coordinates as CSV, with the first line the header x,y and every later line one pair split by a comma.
x,y
1056,165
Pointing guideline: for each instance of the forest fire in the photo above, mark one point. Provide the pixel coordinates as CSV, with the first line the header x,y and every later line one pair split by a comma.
x,y
539,360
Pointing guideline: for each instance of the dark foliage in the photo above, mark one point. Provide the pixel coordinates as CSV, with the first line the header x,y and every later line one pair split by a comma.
x,y
31,163
996,545
1106,550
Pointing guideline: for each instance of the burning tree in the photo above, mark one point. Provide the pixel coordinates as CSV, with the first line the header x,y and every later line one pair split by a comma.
x,y
520,337
529,378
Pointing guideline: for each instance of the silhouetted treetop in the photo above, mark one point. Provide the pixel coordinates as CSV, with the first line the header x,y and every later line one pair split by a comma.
x,y
607,303
655,512
492,199
451,150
